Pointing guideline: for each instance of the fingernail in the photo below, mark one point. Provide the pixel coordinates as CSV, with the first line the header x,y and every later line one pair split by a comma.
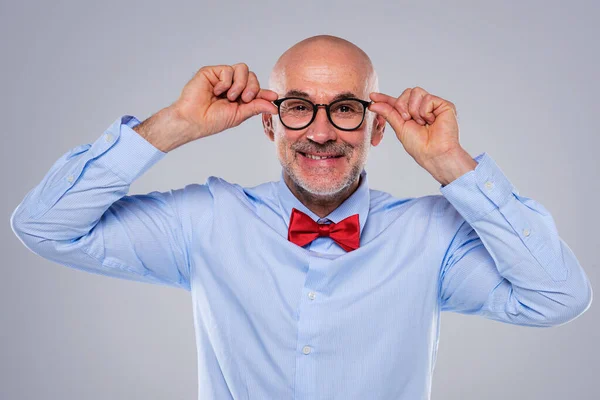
x,y
405,116
421,121
232,95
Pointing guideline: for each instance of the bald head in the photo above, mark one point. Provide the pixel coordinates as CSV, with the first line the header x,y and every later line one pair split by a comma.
x,y
316,55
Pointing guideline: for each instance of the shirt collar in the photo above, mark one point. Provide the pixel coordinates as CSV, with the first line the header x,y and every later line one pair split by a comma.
x,y
357,203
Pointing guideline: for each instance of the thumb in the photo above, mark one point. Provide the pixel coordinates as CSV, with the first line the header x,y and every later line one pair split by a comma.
x,y
390,114
255,107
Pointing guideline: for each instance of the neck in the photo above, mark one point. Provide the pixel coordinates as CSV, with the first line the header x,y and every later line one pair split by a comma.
x,y
320,205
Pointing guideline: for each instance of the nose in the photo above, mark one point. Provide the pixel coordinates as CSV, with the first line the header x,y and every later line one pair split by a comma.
x,y
321,130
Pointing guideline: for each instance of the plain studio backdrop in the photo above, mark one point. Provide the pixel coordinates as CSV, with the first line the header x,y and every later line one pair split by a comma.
x,y
524,78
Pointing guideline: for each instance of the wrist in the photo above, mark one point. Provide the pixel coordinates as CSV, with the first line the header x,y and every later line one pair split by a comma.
x,y
451,165
166,130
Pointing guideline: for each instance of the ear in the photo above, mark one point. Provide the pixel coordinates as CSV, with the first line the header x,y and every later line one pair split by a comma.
x,y
377,131
267,121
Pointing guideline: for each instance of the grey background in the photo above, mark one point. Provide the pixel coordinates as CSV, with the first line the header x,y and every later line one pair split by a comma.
x,y
522,74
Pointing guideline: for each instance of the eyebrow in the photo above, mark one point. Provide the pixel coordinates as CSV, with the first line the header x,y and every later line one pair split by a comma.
x,y
300,93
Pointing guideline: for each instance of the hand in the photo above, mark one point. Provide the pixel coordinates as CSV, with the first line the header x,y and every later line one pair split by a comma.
x,y
425,124
427,127
221,97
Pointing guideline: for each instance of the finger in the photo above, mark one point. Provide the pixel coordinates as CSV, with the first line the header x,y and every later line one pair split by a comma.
x,y
378,97
252,87
429,103
400,103
390,113
414,103
382,98
225,76
267,95
240,79
255,107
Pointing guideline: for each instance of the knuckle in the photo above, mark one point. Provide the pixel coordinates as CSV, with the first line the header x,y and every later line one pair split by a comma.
x,y
252,79
204,71
249,92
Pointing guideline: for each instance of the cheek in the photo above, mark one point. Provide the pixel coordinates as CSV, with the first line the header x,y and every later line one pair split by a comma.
x,y
360,143
283,147
283,141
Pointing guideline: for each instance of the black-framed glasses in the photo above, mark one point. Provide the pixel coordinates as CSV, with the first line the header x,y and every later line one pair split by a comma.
x,y
345,114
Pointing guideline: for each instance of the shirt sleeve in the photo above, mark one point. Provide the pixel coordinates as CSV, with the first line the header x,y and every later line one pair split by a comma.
x,y
80,216
506,261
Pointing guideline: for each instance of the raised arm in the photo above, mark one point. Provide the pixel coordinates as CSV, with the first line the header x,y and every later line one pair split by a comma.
x,y
80,215
506,261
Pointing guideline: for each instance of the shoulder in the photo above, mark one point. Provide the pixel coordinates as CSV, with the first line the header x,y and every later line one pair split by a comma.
x,y
385,202
432,206
217,189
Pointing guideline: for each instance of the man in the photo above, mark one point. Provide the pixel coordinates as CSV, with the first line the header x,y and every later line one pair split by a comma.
x,y
315,286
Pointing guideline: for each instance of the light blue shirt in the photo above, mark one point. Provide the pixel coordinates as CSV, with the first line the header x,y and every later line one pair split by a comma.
x,y
277,321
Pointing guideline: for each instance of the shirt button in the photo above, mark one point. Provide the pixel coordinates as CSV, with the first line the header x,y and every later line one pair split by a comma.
x,y
311,295
108,137
489,184
526,232
70,178
306,349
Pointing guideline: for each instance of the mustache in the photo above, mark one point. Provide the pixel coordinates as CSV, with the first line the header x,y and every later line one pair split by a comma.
x,y
339,149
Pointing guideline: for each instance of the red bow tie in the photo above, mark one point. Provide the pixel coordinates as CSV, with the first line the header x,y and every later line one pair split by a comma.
x,y
304,230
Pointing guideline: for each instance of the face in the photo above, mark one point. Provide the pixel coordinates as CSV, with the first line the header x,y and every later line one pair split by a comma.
x,y
322,80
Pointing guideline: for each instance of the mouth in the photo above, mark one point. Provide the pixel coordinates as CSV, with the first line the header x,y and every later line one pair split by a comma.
x,y
319,157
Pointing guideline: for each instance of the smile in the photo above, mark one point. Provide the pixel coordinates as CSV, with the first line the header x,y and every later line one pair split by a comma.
x,y
319,157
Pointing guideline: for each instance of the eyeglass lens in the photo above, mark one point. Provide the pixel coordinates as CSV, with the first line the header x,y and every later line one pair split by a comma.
x,y
345,114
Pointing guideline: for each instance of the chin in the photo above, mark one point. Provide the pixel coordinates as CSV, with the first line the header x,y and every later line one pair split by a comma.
x,y
323,185
321,181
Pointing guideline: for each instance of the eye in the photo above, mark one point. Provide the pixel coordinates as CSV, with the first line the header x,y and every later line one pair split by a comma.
x,y
296,106
347,107
299,107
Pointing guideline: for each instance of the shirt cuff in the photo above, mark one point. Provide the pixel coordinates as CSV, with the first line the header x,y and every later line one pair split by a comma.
x,y
480,191
124,151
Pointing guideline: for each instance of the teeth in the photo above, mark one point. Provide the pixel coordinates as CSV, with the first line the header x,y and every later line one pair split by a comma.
x,y
317,157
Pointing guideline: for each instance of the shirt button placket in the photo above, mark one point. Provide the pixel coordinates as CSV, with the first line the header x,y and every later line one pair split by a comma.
x,y
305,380
306,349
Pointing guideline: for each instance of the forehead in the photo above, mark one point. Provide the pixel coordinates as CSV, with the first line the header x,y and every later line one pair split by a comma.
x,y
322,80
